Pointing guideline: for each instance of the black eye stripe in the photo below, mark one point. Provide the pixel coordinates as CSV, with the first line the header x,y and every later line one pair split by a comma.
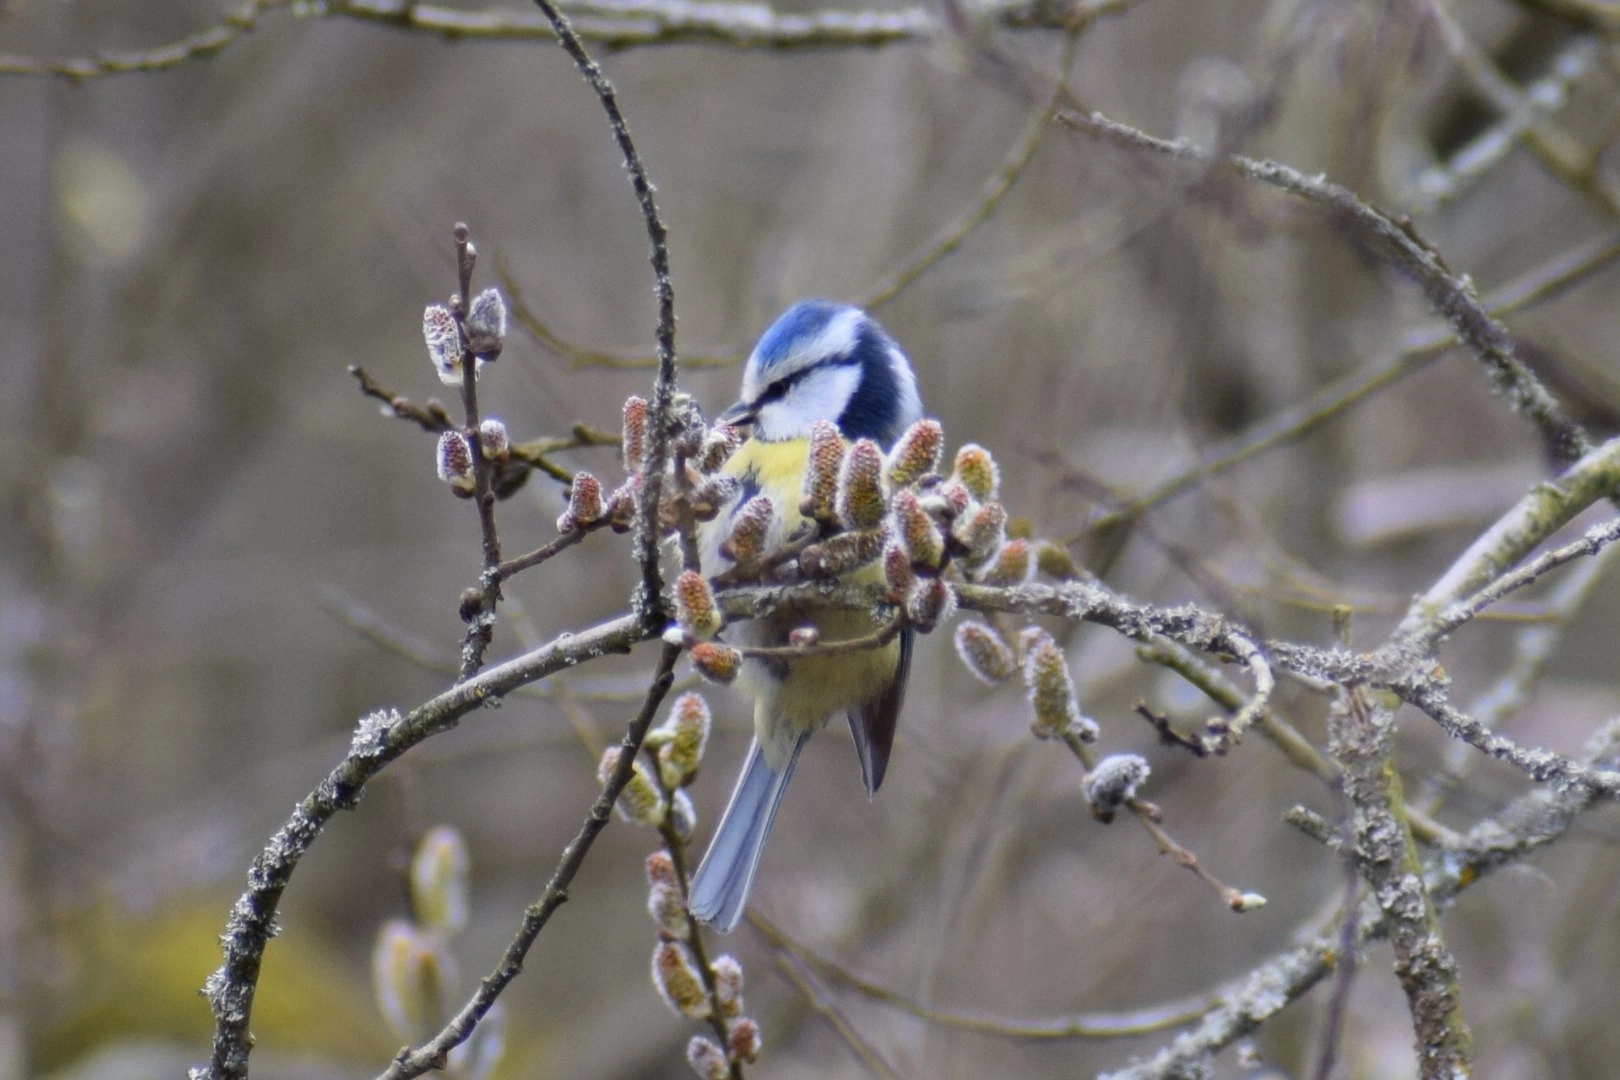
x,y
779,389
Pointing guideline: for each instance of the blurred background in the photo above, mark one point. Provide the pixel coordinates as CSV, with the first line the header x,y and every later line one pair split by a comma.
x,y
215,554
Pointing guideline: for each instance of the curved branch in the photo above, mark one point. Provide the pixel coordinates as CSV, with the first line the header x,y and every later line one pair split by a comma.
x,y
380,739
428,1056
649,604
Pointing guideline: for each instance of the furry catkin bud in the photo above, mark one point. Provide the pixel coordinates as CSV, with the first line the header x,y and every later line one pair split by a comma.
x,y
443,343
695,608
984,653
682,815
718,445
686,734
707,1059
621,505
661,870
840,554
931,602
456,463
410,974
750,530
639,802
716,662
897,569
584,503
635,434
1014,564
712,494
677,980
439,871
982,532
728,984
860,486
1055,561
821,473
745,1041
687,429
976,470
915,455
486,324
916,532
1051,691
493,441
667,907
1112,782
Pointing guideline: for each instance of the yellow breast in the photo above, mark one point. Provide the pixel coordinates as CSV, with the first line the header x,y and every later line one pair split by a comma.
x,y
801,696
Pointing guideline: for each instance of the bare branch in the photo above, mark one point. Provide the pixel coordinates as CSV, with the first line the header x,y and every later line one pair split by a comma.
x,y
649,601
1362,739
1395,243
230,989
431,1054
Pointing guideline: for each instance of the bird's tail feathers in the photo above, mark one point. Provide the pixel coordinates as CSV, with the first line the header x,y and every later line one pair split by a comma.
x,y
719,889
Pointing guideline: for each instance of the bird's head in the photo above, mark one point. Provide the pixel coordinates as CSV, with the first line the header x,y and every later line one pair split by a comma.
x,y
825,361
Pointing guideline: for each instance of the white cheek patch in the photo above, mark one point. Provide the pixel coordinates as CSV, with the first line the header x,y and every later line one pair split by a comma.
x,y
820,395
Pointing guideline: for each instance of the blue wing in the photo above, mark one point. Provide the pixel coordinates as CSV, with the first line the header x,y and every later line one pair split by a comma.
x,y
872,724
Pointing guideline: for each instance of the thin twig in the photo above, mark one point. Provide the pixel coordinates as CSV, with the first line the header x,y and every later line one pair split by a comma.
x,y
1124,1025
1595,540
875,640
582,357
612,25
531,452
1530,823
512,567
823,1005
1394,243
380,740
648,603
481,622
431,1054
1544,282
949,238
1148,816
1544,510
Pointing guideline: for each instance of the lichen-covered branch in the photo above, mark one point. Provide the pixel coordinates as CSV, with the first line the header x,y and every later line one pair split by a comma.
x,y
380,739
427,1057
1526,825
1362,735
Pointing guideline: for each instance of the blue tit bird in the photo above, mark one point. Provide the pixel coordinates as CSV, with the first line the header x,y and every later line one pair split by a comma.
x,y
818,361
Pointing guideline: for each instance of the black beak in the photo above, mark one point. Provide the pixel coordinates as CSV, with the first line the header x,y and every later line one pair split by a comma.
x,y
739,415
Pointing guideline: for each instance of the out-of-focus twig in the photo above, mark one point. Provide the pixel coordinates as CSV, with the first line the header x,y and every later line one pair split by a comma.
x,y
1528,824
649,601
947,239
1334,400
1525,119
612,25
864,1051
1395,243
380,740
581,356
1086,1026
431,1054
